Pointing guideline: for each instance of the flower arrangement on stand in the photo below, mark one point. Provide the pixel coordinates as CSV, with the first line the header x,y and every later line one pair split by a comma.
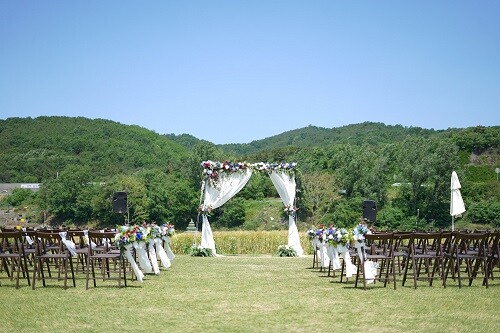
x,y
359,232
311,233
125,239
158,235
286,251
127,235
341,237
169,229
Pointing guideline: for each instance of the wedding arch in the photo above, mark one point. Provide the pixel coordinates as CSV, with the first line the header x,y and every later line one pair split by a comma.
x,y
223,180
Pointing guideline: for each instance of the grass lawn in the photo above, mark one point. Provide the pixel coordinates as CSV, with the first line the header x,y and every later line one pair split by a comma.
x,y
248,294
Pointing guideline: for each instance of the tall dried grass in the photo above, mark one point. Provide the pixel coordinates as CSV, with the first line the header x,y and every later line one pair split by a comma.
x,y
239,242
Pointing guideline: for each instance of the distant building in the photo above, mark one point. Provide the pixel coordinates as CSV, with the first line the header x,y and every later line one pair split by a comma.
x,y
6,188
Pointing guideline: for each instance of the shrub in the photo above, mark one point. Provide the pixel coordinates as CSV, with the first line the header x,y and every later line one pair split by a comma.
x,y
286,251
198,251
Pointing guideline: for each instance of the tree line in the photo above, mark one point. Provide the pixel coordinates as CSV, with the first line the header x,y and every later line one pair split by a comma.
x,y
82,162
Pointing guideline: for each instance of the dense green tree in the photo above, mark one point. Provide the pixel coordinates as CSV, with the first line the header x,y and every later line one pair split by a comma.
x,y
361,172
319,192
65,196
19,196
232,214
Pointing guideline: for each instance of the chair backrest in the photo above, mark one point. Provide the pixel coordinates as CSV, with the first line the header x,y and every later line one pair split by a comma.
x,y
48,242
466,243
426,243
380,243
11,242
401,239
77,236
494,246
102,241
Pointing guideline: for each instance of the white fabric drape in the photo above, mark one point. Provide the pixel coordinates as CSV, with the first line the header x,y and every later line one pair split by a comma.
x,y
139,275
285,185
142,255
229,184
152,256
161,254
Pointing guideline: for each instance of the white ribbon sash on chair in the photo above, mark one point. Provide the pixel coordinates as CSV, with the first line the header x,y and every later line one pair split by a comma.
x,y
350,269
333,254
86,239
128,254
325,260
70,245
170,254
162,255
369,266
152,256
28,238
144,263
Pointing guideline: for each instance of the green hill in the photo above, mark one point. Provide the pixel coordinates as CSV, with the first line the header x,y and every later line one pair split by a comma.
x,y
33,150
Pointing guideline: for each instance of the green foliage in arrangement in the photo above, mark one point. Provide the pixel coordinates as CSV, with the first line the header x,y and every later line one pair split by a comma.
x,y
198,251
286,251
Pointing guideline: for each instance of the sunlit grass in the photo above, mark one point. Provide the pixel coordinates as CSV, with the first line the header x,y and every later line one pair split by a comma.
x,y
248,294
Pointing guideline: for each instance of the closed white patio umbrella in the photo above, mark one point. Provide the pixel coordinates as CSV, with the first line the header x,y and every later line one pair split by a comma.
x,y
457,206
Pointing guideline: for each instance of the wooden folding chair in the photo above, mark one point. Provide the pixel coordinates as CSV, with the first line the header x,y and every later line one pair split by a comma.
x,y
102,255
467,254
425,256
51,255
379,249
12,254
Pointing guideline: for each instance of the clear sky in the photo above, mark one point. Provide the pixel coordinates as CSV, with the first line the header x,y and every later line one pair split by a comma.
x,y
237,71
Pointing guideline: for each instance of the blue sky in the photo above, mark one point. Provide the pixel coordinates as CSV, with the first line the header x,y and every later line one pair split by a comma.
x,y
238,71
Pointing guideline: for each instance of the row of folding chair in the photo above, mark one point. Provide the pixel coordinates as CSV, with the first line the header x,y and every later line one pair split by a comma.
x,y
427,256
43,253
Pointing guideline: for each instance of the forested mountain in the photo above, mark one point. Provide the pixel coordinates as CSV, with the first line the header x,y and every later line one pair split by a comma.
x,y
34,150
367,133
82,162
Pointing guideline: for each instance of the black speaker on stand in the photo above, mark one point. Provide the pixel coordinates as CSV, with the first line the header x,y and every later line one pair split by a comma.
x,y
370,211
120,204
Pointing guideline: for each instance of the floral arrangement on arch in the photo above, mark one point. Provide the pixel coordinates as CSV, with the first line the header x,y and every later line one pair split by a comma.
x,y
212,170
290,210
278,167
206,210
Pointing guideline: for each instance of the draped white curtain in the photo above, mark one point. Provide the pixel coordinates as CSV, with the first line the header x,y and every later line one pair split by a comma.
x,y
229,184
285,185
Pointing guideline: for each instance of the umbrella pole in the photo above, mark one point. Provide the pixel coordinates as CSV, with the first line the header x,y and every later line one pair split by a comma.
x,y
452,223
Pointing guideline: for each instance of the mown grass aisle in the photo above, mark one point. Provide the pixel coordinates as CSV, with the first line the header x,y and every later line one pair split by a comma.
x,y
248,294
